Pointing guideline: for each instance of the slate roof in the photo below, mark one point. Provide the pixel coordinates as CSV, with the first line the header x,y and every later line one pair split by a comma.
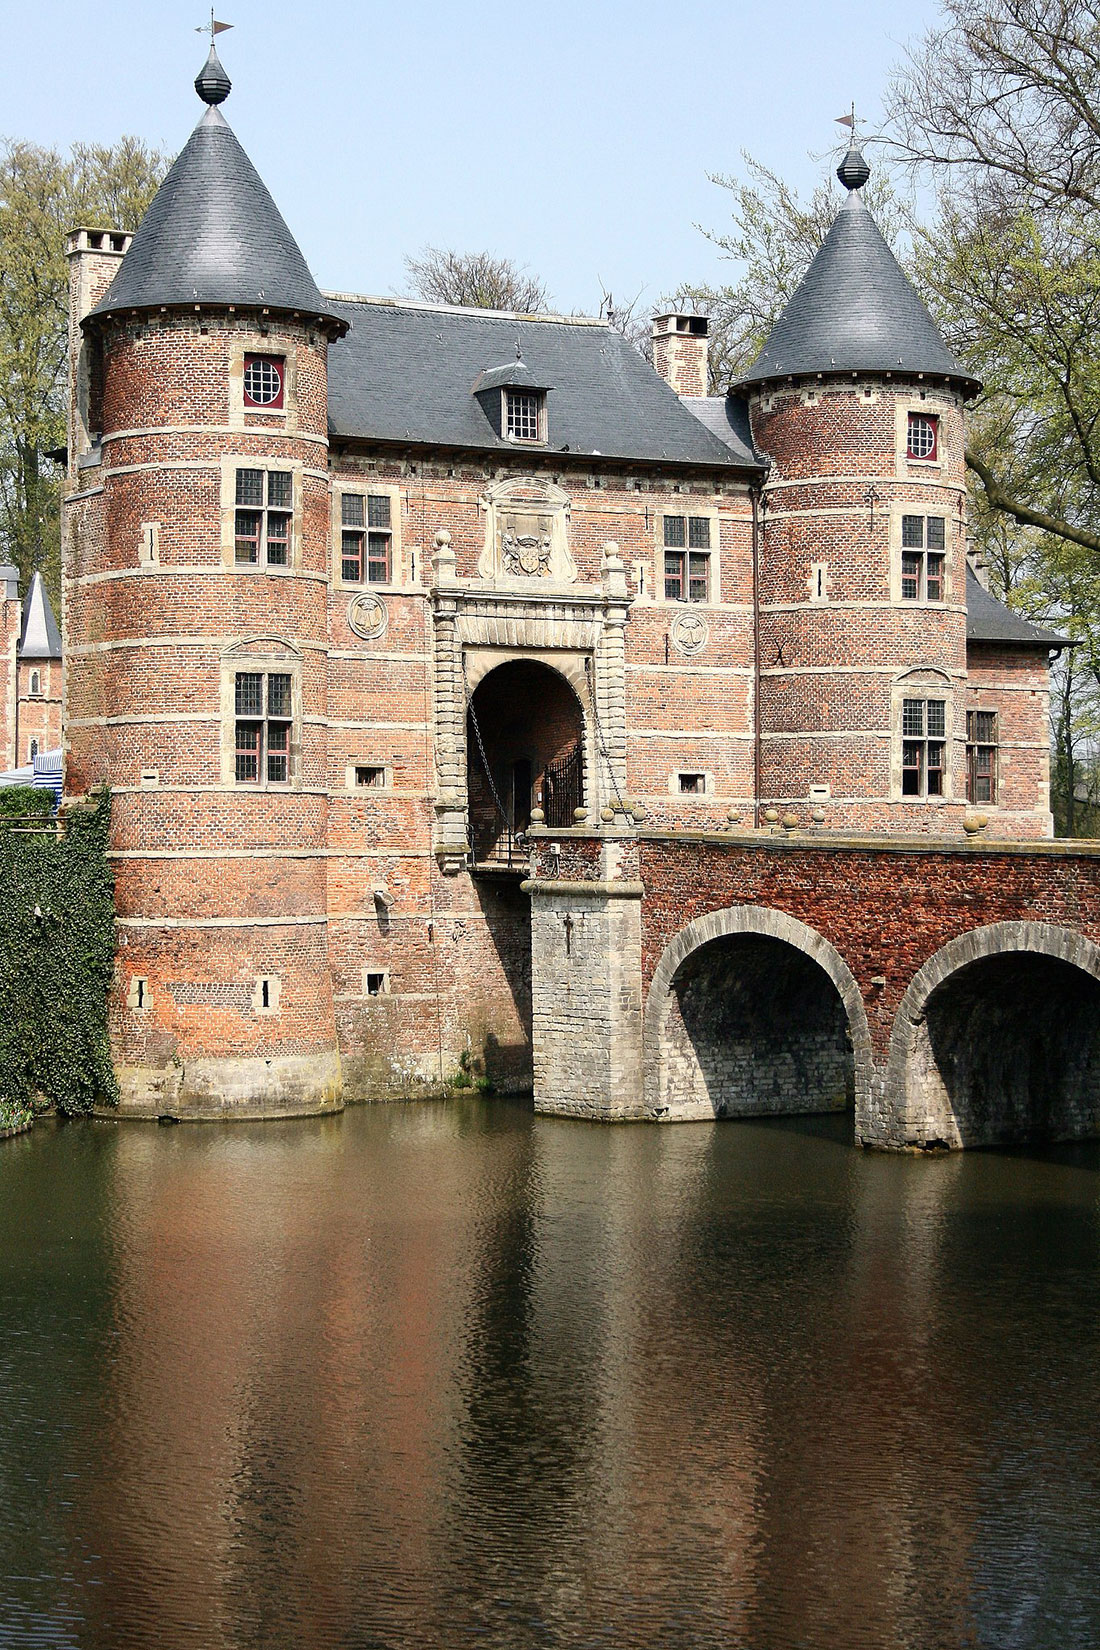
x,y
213,235
855,311
40,637
407,372
988,620
727,417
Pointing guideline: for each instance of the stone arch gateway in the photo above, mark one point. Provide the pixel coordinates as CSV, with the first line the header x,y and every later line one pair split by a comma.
x,y
752,1012
997,1040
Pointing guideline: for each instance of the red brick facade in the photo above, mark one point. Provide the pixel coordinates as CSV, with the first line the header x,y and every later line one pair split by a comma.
x,y
320,930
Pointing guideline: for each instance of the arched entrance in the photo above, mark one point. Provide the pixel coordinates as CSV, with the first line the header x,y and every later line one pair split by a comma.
x,y
752,1014
525,749
997,1040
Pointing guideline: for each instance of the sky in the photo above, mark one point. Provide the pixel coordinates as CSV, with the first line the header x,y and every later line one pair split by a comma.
x,y
573,138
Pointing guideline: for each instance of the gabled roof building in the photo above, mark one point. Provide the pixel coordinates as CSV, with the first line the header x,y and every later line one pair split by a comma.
x,y
357,588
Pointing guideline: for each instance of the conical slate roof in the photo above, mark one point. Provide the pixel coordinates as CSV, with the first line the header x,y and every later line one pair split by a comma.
x,y
213,234
40,637
855,310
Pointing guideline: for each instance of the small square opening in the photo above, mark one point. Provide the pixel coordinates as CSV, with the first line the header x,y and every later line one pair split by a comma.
x,y
375,982
692,784
370,778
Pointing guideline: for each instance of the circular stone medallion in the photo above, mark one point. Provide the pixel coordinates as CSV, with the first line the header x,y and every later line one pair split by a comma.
x,y
367,616
690,632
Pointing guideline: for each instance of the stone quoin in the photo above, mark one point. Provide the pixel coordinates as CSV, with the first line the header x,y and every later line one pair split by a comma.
x,y
449,666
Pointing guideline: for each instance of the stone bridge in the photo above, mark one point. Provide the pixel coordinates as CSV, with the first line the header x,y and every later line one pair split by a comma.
x,y
947,989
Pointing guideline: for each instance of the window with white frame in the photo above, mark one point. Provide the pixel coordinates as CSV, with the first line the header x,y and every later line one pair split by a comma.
x,y
922,436
923,747
263,723
523,415
265,382
687,558
263,505
366,538
923,558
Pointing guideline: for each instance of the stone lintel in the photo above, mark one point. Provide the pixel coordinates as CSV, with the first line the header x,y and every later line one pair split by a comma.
x,y
601,890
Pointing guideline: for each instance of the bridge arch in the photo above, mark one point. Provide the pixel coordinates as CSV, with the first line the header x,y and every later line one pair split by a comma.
x,y
997,1040
746,1004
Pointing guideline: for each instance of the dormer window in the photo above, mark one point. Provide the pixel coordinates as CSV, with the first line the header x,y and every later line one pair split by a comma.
x,y
264,382
923,437
523,415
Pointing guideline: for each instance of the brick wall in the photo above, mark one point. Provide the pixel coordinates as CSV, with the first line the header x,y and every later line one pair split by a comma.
x,y
837,641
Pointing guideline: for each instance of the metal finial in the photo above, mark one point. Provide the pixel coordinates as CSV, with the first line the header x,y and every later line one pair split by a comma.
x,y
212,83
853,170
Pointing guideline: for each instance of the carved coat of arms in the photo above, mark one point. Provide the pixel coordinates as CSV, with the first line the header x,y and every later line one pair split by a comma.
x,y
525,544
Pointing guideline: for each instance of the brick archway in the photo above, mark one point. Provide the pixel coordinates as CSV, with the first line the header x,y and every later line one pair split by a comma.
x,y
921,1108
765,924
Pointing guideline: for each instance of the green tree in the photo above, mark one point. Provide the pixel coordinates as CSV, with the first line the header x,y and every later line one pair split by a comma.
x,y
999,107
44,193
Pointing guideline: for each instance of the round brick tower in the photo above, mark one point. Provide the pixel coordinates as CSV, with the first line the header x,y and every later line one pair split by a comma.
x,y
862,588
196,578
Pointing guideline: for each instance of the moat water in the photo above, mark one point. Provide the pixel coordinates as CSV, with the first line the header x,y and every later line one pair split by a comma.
x,y
451,1375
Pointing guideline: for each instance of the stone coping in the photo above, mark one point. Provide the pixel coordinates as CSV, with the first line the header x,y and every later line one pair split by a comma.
x,y
603,890
1043,847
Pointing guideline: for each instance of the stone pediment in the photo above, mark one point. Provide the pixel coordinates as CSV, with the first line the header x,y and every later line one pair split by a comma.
x,y
526,533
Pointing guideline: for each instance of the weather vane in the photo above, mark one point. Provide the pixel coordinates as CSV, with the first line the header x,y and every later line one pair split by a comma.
x,y
213,27
841,120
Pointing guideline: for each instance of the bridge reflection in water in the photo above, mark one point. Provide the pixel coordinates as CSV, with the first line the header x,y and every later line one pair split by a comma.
x,y
455,1375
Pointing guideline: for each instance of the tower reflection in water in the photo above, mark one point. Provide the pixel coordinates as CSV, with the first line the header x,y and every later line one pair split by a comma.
x,y
450,1374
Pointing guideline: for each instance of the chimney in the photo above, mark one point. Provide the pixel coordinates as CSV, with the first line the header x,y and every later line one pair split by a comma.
x,y
680,352
94,256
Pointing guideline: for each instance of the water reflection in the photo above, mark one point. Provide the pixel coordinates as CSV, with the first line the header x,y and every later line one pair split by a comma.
x,y
448,1374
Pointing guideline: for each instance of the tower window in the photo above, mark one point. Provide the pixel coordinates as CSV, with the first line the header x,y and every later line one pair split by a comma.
x,y
262,704
922,439
366,538
981,756
924,744
264,500
36,685
523,415
923,540
264,381
687,558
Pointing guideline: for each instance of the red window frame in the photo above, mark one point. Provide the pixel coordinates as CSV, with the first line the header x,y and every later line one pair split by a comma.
x,y
918,421
278,364
262,727
366,538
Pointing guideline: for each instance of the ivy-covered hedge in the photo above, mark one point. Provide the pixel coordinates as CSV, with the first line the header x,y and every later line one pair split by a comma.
x,y
57,947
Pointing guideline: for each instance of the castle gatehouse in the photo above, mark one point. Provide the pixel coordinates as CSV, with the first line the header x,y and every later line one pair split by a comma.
x,y
370,605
